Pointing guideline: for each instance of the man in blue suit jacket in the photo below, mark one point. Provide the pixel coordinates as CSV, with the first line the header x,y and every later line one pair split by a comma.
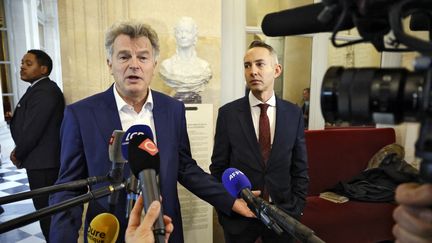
x,y
283,174
88,124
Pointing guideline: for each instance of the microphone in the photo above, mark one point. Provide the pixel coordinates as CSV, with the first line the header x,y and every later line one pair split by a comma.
x,y
144,162
71,185
238,185
103,228
132,193
286,22
116,173
133,185
130,133
291,225
69,203
420,22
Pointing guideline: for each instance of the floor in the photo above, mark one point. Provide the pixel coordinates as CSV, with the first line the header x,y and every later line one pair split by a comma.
x,y
14,181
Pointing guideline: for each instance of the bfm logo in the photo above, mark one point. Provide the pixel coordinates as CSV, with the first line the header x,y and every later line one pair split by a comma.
x,y
234,174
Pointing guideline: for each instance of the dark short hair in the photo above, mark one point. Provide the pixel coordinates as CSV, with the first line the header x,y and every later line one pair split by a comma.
x,y
43,59
258,43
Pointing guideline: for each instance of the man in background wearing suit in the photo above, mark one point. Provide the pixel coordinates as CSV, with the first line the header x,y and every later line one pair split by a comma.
x,y
132,51
267,146
35,127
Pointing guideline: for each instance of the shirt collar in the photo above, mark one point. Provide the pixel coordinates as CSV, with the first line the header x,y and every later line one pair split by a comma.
x,y
35,82
253,101
121,103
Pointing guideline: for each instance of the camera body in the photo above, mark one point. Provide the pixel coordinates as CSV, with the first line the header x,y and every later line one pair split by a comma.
x,y
390,95
367,95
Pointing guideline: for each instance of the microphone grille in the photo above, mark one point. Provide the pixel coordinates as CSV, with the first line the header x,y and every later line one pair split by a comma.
x,y
103,228
143,154
235,181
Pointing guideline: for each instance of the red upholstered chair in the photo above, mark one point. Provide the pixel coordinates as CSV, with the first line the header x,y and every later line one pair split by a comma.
x,y
336,155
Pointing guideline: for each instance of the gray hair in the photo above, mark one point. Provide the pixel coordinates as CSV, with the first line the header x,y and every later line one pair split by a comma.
x,y
133,30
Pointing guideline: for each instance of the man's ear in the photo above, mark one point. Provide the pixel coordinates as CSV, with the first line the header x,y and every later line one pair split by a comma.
x,y
154,65
109,63
44,70
278,70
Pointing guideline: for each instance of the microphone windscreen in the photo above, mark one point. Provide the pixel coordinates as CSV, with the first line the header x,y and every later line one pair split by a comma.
x,y
420,22
103,228
114,147
130,133
235,181
143,154
300,20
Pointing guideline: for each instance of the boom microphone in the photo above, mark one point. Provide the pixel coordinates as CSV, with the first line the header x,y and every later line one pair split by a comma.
x,y
144,162
132,188
103,228
116,173
301,20
238,185
420,22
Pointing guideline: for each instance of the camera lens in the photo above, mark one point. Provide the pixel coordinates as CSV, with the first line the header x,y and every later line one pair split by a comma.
x,y
367,95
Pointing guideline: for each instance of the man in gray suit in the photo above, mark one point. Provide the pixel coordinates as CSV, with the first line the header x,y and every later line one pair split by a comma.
x,y
35,127
262,136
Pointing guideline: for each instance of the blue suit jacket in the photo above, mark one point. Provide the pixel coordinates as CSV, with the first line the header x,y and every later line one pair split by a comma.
x,y
236,145
86,129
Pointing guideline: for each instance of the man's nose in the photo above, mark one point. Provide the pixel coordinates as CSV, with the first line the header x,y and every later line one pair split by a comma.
x,y
134,63
253,70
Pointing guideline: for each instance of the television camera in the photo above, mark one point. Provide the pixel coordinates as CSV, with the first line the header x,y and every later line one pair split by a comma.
x,y
366,95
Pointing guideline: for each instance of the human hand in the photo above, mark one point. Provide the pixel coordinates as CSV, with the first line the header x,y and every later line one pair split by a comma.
x,y
240,206
414,214
14,160
142,231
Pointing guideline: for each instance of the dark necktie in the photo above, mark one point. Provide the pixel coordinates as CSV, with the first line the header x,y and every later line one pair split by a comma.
x,y
264,141
264,133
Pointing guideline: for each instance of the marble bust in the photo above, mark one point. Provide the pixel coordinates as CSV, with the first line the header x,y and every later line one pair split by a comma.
x,y
185,72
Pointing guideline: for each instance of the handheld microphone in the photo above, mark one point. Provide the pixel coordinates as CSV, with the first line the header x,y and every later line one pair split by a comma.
x,y
130,133
301,20
133,185
103,228
116,173
144,162
238,185
132,193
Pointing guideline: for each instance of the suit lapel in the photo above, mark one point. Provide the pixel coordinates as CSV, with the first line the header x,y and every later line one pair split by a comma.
x,y
247,127
160,117
280,129
106,114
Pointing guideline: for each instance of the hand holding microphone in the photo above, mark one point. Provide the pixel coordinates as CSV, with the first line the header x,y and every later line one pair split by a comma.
x,y
138,231
133,184
238,185
144,162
